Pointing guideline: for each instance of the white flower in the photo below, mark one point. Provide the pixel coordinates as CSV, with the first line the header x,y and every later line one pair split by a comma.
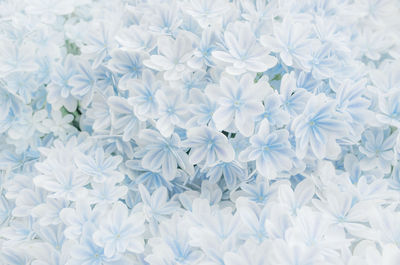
x,y
120,231
172,57
243,51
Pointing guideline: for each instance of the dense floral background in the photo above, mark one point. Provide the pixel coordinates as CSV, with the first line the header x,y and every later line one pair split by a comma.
x,y
199,132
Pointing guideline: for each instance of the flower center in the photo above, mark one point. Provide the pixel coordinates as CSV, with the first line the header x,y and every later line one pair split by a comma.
x,y
237,103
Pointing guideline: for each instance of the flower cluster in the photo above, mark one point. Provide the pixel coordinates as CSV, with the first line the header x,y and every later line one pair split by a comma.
x,y
209,132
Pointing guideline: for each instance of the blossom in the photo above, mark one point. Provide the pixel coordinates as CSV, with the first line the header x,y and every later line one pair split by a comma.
x,y
292,43
66,183
351,105
142,95
209,132
99,167
156,206
76,218
173,244
273,112
120,232
163,154
123,119
378,149
83,83
238,101
15,58
136,38
203,108
294,98
106,192
99,42
172,57
88,252
243,51
59,89
272,151
390,109
203,53
22,84
171,109
315,127
128,64
232,172
206,11
209,145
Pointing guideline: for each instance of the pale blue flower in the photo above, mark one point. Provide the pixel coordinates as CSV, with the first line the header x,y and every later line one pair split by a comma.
x,y
99,167
99,42
52,234
253,219
99,112
66,183
206,11
351,106
163,154
22,84
173,246
352,166
271,151
157,206
273,112
316,127
123,119
137,39
297,198
143,95
172,111
323,62
16,57
294,98
83,83
243,51
18,229
202,108
208,145
389,105
239,101
75,218
291,40
120,231
202,55
151,180
260,191
191,80
59,89
87,252
128,64
377,146
106,192
48,211
163,19
232,172
172,57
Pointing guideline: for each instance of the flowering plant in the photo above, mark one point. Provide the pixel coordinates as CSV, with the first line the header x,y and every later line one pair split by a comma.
x,y
208,132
